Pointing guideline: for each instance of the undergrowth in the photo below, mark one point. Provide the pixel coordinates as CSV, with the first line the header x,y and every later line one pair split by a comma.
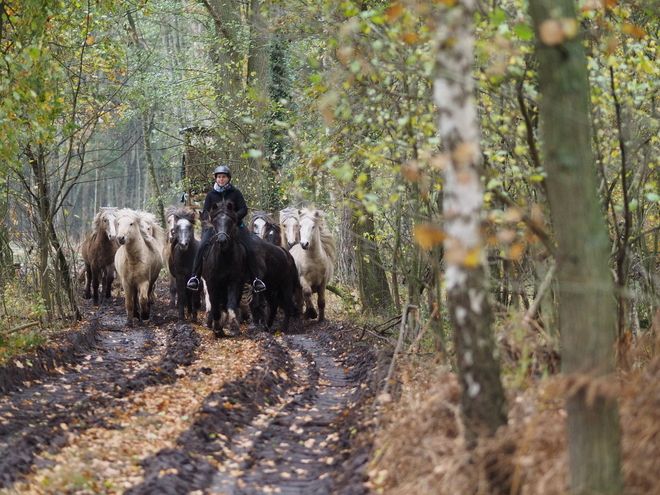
x,y
21,327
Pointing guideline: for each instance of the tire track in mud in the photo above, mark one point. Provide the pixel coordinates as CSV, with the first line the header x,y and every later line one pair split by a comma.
x,y
286,427
62,395
295,450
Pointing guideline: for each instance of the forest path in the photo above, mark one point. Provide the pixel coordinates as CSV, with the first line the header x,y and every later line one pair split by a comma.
x,y
168,408
292,450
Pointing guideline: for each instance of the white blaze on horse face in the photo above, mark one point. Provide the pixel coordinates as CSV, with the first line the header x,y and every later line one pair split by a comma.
x,y
260,227
307,227
291,229
184,232
109,221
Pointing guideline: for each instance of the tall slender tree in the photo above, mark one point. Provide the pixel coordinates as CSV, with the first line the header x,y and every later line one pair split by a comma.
x,y
483,402
587,313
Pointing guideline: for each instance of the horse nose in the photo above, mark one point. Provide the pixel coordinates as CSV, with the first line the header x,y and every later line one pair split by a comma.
x,y
291,244
122,240
304,245
111,237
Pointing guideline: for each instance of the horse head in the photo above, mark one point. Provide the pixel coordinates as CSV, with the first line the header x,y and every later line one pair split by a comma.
x,y
259,224
109,219
290,226
225,222
309,232
181,227
128,226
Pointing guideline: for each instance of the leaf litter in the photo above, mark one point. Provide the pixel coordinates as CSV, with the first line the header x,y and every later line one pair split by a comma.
x,y
163,408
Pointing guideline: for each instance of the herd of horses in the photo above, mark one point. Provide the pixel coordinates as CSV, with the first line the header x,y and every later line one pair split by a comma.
x,y
296,256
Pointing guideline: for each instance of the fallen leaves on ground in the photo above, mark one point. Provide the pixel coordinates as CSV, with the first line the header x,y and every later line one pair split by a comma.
x,y
106,459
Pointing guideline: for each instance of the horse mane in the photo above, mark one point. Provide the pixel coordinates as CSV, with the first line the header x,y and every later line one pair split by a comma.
x,y
145,220
222,206
96,222
327,239
181,213
287,213
256,215
148,220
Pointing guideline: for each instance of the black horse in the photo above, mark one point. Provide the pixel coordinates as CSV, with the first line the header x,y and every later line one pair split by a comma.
x,y
282,283
273,234
224,270
179,253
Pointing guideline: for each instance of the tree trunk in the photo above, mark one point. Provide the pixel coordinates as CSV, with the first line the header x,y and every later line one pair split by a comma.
x,y
372,280
587,314
146,136
483,401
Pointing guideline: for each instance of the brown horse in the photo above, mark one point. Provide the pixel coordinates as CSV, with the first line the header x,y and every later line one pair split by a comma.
x,y
138,261
315,257
98,252
179,254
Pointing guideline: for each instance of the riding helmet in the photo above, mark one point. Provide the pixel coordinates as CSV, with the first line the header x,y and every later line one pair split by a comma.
x,y
222,169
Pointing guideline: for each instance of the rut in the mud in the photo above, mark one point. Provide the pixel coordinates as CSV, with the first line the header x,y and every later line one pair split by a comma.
x,y
287,425
68,385
296,447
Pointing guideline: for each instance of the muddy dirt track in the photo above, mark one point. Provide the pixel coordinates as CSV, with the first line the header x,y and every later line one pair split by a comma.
x,y
78,416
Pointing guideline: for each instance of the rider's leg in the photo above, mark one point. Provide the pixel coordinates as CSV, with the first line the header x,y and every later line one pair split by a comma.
x,y
194,283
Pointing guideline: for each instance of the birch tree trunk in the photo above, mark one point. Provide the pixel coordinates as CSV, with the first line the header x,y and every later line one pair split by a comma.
x,y
587,311
483,401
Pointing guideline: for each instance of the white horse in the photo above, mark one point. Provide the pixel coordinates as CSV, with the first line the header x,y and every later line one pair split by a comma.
x,y
138,261
315,258
290,227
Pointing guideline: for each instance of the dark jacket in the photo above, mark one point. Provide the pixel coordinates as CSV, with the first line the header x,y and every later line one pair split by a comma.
x,y
232,194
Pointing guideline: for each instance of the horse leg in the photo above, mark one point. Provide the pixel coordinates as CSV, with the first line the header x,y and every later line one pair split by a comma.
x,y
321,301
109,278
88,281
129,303
272,308
196,303
144,293
214,320
95,286
182,292
310,312
233,303
232,323
174,287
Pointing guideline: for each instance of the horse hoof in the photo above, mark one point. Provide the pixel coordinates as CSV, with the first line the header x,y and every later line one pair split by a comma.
x,y
311,314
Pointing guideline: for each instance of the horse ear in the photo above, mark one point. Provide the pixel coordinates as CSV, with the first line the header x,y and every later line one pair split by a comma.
x,y
214,206
205,214
230,205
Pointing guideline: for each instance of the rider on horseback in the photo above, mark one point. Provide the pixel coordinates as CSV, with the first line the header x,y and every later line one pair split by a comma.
x,y
224,190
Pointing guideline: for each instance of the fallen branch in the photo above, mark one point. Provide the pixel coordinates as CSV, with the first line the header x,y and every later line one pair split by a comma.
x,y
21,327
